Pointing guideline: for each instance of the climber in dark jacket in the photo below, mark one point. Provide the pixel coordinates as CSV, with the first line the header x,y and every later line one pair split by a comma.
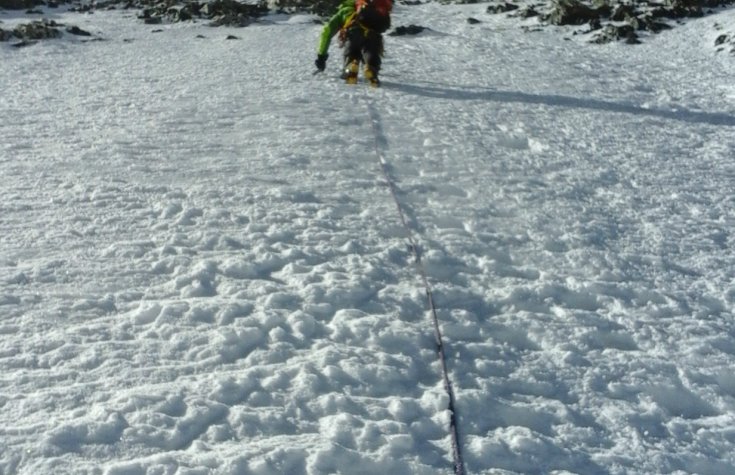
x,y
361,24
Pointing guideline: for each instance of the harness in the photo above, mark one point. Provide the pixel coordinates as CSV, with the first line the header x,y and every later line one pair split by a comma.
x,y
351,22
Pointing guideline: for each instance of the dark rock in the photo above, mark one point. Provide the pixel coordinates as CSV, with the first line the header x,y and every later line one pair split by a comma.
x,y
646,22
17,4
622,12
612,33
642,15
632,39
231,19
721,40
37,30
528,12
571,12
184,14
687,8
230,7
83,8
407,30
220,12
604,10
75,30
677,9
23,43
531,29
502,8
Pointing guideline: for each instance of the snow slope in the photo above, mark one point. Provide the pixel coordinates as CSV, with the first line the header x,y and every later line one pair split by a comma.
x,y
202,268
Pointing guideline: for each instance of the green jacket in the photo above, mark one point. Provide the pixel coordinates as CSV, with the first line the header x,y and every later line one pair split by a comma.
x,y
345,10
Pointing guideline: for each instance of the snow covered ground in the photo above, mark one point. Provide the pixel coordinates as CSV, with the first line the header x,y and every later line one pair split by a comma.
x,y
202,268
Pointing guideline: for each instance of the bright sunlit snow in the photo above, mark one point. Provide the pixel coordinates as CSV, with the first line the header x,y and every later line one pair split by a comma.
x,y
202,268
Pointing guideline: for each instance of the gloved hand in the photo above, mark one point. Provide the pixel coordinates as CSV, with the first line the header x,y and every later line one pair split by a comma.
x,y
321,61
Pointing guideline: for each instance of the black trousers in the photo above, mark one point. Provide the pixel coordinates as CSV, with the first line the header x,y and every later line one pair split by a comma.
x,y
363,46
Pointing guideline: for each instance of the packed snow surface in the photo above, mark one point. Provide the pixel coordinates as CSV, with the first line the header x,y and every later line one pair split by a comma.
x,y
203,269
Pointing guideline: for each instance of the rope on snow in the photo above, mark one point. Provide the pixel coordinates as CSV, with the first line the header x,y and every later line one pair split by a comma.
x,y
380,142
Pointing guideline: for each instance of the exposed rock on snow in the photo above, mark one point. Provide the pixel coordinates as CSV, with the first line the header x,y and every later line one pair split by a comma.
x,y
504,7
725,41
615,33
609,20
574,12
407,30
75,30
36,30
220,12
606,15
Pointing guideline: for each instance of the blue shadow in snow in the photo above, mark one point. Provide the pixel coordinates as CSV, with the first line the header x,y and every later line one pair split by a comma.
x,y
463,94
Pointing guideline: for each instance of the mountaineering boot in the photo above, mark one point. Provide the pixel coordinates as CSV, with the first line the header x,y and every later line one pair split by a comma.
x,y
350,72
371,76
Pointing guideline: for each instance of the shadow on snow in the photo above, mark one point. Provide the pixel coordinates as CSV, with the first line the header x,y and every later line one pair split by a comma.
x,y
455,93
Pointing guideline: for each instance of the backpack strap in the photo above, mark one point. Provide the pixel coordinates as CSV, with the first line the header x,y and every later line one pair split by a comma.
x,y
346,26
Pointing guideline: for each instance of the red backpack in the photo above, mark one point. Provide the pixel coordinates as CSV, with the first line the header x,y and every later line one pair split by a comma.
x,y
382,7
374,14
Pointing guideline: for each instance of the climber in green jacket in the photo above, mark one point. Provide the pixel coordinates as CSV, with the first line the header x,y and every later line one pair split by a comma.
x,y
361,24
345,10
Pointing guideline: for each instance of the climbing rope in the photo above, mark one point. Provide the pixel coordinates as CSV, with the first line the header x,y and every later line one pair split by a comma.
x,y
454,431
